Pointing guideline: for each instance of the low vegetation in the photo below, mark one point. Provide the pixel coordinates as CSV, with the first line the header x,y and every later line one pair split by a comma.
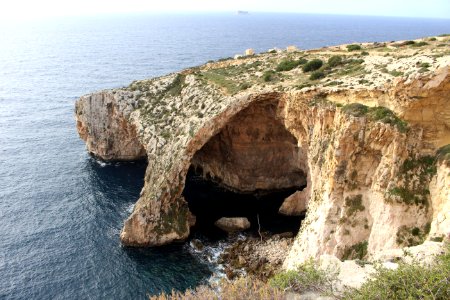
x,y
316,75
268,75
335,61
312,65
376,114
353,47
408,281
357,251
287,65
307,278
443,155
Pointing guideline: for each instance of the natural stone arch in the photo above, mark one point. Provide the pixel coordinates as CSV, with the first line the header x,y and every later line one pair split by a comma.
x,y
165,217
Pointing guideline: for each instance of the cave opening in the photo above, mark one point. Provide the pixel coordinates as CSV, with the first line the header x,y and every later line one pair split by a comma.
x,y
209,201
248,169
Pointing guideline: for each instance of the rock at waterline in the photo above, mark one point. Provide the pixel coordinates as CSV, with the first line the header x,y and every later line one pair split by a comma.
x,y
233,224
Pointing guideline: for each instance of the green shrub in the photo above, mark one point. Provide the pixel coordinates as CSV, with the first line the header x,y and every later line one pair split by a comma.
x,y
425,65
268,75
353,47
365,53
353,204
287,65
244,86
312,65
396,73
357,251
378,113
355,109
408,281
387,116
409,43
306,278
432,39
317,75
419,44
334,61
443,154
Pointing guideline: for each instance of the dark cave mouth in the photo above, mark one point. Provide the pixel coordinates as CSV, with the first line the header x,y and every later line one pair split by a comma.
x,y
209,201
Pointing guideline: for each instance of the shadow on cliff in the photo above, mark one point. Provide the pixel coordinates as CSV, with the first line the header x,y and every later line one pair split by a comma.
x,y
209,201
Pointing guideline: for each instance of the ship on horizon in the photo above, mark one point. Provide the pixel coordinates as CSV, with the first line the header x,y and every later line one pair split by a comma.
x,y
242,12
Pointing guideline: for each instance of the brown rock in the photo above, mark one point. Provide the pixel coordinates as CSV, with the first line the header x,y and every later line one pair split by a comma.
x,y
233,224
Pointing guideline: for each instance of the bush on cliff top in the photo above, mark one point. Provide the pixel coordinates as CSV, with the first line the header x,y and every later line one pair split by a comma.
x,y
307,278
287,65
376,114
313,65
353,47
408,281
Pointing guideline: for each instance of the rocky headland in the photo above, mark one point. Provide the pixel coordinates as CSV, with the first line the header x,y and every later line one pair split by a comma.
x,y
360,133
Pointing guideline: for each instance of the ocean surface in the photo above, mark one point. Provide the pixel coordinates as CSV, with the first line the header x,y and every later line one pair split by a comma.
x,y
61,211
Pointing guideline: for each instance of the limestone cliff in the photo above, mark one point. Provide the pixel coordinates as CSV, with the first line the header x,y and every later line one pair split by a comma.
x,y
363,134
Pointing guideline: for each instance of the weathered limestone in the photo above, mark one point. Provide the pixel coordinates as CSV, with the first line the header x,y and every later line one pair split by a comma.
x,y
372,182
233,224
102,123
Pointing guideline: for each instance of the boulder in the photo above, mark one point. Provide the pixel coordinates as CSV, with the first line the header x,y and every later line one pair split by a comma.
x,y
294,205
233,224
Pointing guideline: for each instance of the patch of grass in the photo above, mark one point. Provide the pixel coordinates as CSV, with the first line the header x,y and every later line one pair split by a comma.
x,y
408,281
353,204
223,81
317,75
312,65
444,35
353,47
357,251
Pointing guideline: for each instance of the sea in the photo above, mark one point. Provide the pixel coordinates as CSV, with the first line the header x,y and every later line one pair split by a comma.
x,y
61,210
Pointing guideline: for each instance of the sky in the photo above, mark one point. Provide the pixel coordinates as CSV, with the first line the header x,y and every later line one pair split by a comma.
x,y
36,9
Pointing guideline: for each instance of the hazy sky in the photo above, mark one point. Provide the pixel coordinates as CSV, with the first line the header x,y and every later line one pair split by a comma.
x,y
30,9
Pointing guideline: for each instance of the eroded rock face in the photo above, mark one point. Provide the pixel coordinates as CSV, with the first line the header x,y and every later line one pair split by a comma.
x,y
254,151
102,122
372,181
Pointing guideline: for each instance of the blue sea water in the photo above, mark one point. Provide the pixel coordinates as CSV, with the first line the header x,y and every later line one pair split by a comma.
x,y
60,210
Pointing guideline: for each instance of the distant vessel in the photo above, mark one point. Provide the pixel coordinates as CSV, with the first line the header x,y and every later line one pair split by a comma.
x,y
242,12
